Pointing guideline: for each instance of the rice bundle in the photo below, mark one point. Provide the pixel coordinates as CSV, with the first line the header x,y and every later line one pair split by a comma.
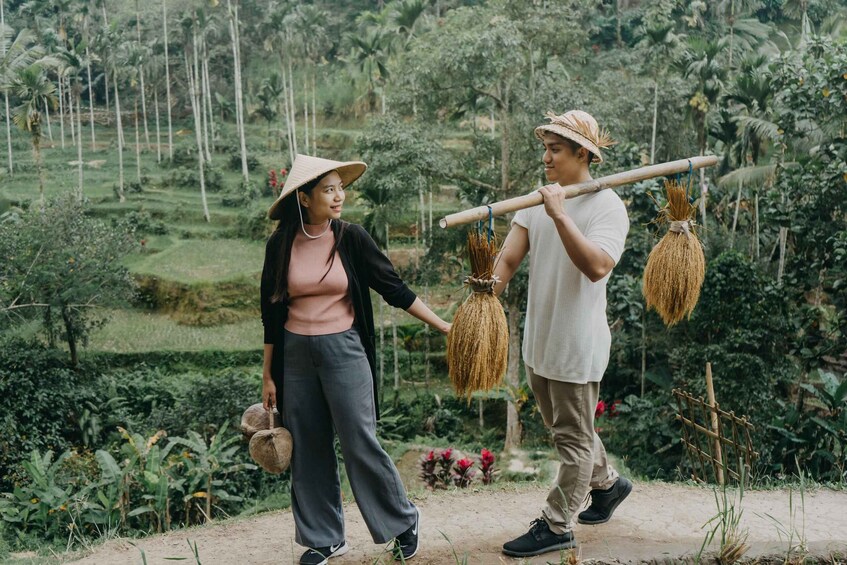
x,y
478,343
676,266
271,448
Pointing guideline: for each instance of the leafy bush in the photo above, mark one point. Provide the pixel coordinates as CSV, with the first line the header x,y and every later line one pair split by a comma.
x,y
39,397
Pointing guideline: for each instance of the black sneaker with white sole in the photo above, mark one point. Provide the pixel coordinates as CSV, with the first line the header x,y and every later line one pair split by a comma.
x,y
539,539
604,502
320,555
406,544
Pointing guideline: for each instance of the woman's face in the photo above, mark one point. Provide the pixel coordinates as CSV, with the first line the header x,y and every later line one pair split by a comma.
x,y
325,201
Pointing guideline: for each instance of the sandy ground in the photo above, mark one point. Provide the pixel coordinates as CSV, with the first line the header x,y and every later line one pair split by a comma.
x,y
658,523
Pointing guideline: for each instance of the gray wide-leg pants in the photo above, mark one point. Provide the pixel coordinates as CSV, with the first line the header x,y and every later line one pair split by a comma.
x,y
328,389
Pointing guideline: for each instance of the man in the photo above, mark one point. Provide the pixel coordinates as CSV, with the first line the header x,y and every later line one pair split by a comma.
x,y
573,245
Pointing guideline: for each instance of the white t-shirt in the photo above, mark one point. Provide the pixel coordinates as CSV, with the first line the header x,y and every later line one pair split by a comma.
x,y
566,333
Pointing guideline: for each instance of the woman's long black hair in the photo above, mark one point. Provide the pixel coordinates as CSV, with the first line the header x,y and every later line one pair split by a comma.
x,y
282,238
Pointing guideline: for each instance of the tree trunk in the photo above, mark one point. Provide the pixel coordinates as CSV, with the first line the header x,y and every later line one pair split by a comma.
x,y
9,133
756,227
306,119
293,109
158,130
210,141
513,378
71,111
735,218
202,88
314,118
287,113
655,120
168,82
141,78
49,125
90,100
239,108
137,145
193,78
71,337
783,238
119,127
79,143
61,114
36,150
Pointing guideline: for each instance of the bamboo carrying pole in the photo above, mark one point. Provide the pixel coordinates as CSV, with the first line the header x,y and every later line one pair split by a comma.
x,y
710,392
481,213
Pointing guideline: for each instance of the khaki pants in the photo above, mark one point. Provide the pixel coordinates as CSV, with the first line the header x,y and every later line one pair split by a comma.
x,y
568,411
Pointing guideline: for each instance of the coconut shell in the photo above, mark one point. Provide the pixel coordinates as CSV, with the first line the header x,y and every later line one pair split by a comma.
x,y
271,449
255,418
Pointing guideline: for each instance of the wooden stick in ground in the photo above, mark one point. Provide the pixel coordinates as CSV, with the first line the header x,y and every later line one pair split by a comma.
x,y
573,190
710,392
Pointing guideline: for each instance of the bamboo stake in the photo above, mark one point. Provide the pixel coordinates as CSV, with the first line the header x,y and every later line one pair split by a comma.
x,y
573,190
710,392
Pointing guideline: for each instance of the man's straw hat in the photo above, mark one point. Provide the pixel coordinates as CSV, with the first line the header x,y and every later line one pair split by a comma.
x,y
307,168
580,127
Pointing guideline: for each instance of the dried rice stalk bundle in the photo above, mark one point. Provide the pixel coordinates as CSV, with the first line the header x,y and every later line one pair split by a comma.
x,y
478,343
271,447
676,266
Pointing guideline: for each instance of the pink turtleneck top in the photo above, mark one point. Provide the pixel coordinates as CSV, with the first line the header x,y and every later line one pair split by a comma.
x,y
317,307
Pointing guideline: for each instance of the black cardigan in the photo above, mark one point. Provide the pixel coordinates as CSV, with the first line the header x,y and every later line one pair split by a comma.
x,y
366,267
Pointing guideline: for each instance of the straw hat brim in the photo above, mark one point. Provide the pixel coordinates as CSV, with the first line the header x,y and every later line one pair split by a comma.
x,y
573,136
306,169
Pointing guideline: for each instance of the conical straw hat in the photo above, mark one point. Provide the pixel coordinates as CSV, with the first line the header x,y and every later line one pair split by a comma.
x,y
307,168
578,126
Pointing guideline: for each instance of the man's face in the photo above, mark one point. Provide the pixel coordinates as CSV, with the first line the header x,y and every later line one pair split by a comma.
x,y
561,164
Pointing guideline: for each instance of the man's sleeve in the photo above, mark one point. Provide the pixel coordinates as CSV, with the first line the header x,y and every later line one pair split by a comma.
x,y
609,228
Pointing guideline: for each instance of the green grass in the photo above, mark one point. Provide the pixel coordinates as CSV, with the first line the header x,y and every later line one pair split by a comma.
x,y
201,261
139,331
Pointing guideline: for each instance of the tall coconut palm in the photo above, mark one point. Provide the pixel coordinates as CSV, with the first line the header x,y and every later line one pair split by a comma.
x,y
232,14
662,47
34,90
17,51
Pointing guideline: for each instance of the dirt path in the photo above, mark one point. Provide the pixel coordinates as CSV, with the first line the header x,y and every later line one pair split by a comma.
x,y
658,522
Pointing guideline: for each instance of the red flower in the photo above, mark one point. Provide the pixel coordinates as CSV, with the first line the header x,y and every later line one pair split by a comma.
x,y
430,456
283,171
600,410
447,454
463,465
486,459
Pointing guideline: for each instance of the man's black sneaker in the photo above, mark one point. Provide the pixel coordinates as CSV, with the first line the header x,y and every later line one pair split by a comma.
x,y
406,544
320,555
604,502
539,539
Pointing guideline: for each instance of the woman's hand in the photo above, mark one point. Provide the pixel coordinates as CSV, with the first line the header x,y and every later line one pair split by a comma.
x,y
445,328
268,392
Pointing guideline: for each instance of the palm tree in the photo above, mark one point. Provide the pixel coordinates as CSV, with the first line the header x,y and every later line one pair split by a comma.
x,y
17,52
662,46
369,53
167,80
269,95
232,13
34,90
73,61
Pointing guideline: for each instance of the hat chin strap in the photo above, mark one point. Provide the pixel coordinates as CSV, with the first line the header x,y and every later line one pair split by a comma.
x,y
303,226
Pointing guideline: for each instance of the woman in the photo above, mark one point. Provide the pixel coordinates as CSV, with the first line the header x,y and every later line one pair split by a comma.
x,y
319,357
